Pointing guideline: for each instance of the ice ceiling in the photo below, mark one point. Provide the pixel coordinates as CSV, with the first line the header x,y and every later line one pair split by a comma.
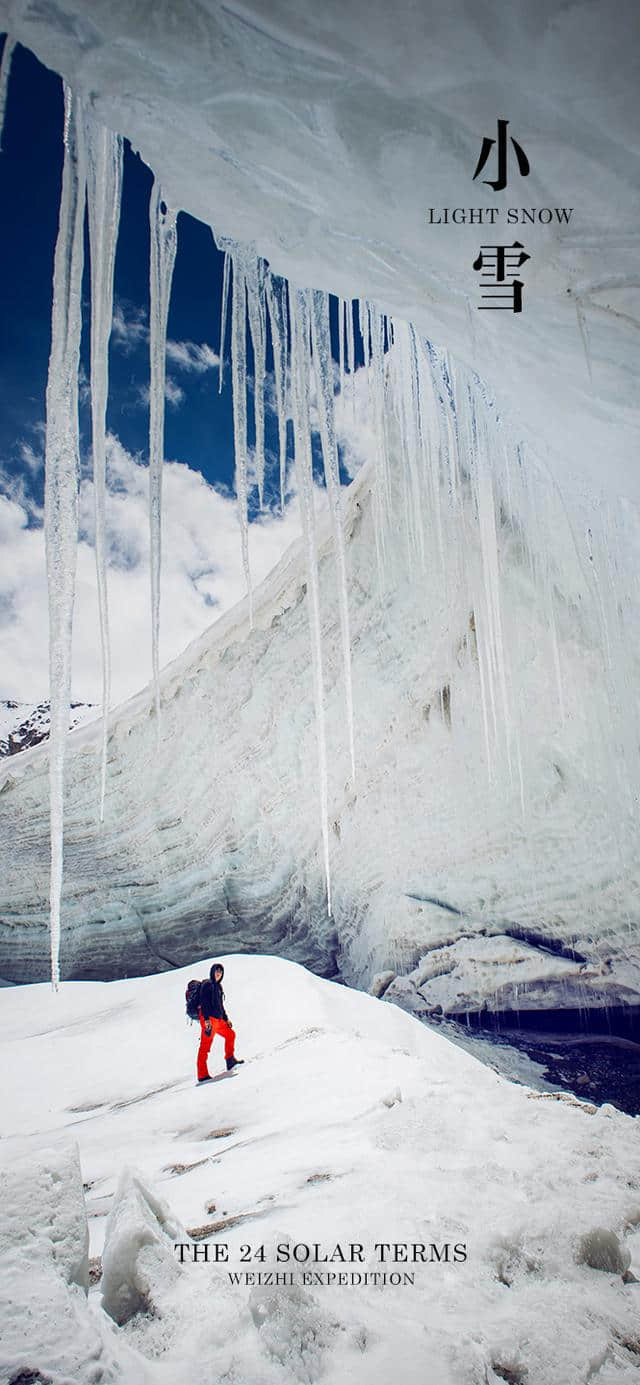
x,y
495,659
322,133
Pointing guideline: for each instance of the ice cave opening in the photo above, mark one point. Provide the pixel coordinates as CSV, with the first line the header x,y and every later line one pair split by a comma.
x,y
412,756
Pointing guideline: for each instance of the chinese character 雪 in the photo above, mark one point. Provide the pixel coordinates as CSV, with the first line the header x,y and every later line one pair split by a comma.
x,y
499,265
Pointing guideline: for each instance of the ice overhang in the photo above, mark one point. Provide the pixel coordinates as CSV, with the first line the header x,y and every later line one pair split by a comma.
x,y
324,134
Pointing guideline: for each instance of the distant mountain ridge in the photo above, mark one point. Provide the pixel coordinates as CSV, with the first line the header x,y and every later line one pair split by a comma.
x,y
23,724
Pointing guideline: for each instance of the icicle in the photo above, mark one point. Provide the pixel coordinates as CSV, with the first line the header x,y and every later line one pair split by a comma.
x,y
5,73
104,188
341,346
351,353
162,221
416,437
239,379
367,332
348,336
223,317
379,410
277,305
463,440
357,329
483,660
406,403
254,277
300,370
396,393
453,413
363,312
323,363
448,428
61,481
584,336
341,361
429,448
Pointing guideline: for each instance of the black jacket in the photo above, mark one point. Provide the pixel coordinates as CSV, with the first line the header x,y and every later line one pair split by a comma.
x,y
212,1001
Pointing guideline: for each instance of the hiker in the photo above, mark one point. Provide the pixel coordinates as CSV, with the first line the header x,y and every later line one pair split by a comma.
x,y
214,1020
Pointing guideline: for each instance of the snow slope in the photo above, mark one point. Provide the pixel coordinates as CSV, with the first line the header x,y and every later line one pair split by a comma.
x,y
349,1123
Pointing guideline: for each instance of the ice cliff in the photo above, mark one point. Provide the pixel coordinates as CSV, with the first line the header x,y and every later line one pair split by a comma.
x,y
211,837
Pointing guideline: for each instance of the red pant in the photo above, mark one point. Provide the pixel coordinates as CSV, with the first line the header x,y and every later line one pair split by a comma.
x,y
206,1040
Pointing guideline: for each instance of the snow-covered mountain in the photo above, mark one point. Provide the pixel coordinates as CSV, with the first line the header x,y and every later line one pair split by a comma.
x,y
349,1125
23,725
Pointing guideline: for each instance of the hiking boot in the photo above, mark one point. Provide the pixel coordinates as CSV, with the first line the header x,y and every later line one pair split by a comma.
x,y
233,1063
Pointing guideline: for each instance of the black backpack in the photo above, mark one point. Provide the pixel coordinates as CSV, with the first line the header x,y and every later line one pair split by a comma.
x,y
192,999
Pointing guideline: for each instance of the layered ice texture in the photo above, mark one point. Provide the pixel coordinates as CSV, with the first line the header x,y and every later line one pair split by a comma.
x,y
490,794
489,643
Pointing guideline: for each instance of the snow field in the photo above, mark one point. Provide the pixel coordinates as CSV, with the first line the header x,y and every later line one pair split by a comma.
x,y
349,1123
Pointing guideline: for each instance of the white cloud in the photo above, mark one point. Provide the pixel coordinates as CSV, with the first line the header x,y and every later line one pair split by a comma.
x,y
173,393
201,577
129,326
17,487
130,329
84,385
33,460
188,355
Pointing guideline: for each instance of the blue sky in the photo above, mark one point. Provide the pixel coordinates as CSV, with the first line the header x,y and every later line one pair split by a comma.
x,y
202,571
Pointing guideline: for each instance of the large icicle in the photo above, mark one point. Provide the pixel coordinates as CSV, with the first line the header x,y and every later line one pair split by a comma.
x,y
61,481
404,392
382,493
277,305
254,278
429,446
5,73
162,221
351,354
362,319
300,377
239,379
323,363
223,317
341,312
104,188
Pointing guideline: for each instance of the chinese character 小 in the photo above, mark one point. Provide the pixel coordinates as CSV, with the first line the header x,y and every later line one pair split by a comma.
x,y
487,145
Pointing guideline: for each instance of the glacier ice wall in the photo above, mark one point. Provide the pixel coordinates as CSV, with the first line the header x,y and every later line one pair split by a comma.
x,y
492,794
